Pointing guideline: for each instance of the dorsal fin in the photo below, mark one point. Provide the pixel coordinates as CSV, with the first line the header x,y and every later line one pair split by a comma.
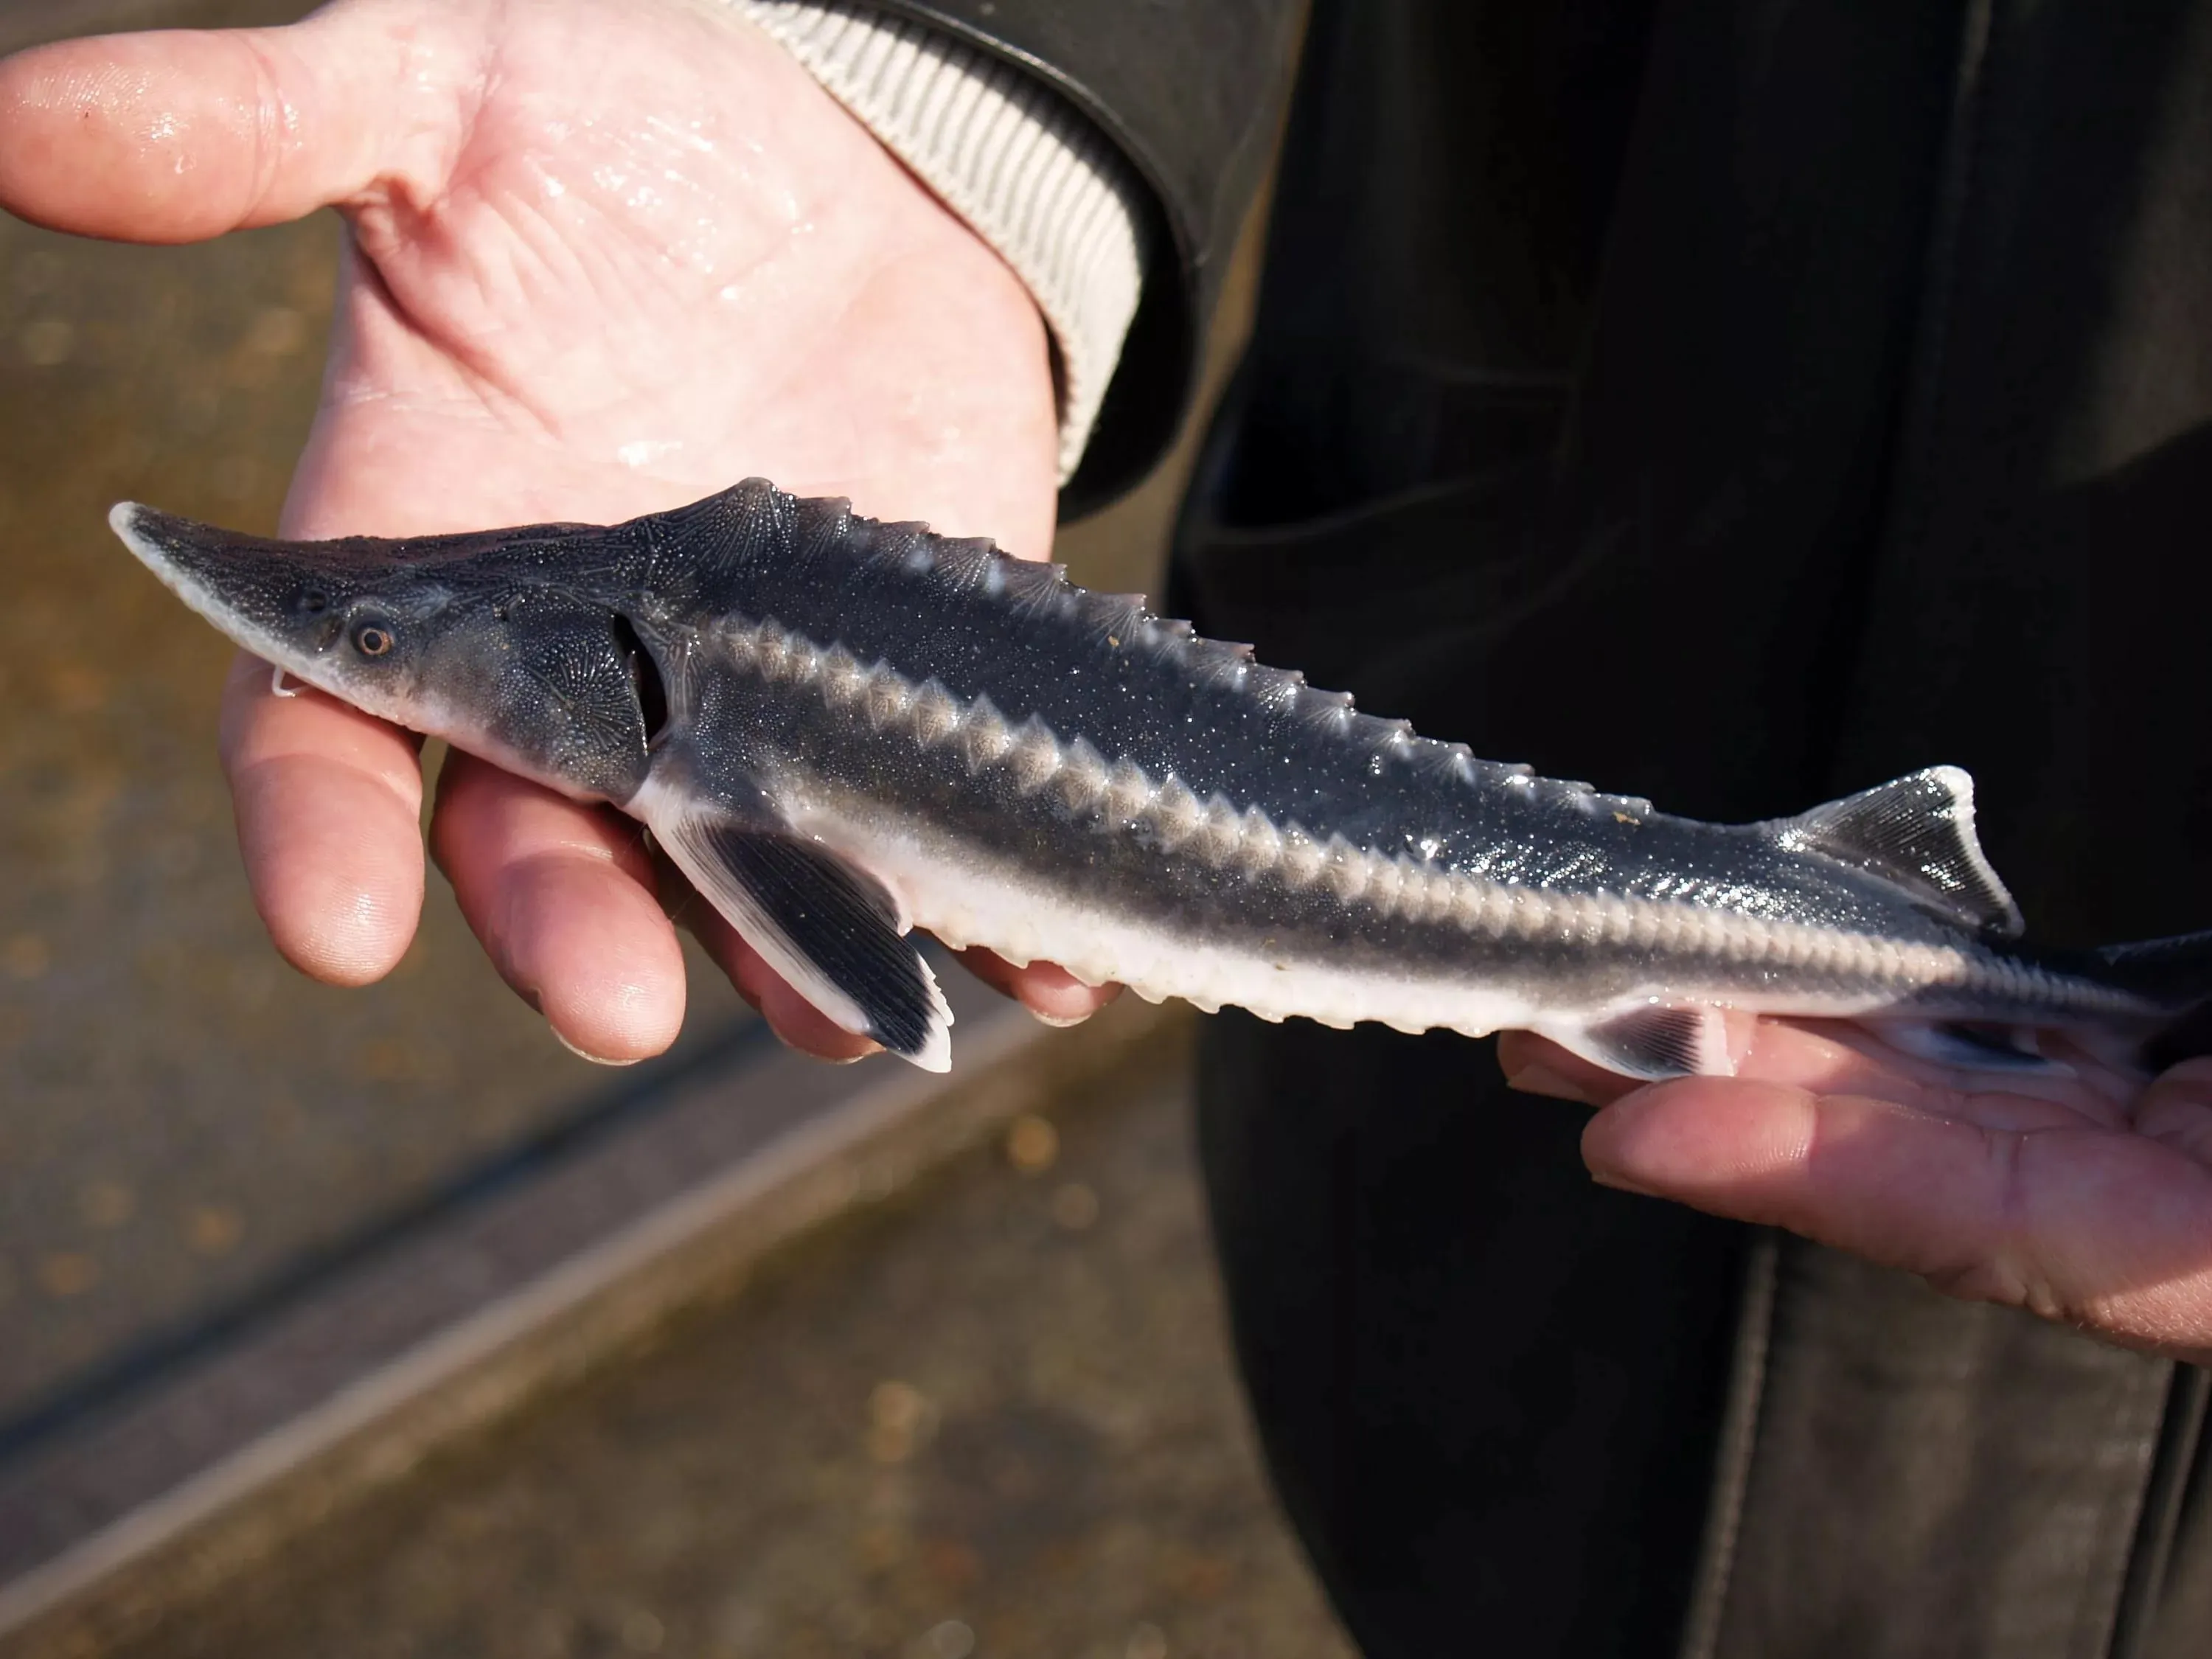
x,y
1917,834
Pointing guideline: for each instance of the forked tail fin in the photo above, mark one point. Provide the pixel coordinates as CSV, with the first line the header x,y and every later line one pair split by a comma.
x,y
2176,973
2172,973
1916,834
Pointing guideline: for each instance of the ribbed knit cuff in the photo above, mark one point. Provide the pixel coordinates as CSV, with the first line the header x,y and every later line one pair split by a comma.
x,y
1030,176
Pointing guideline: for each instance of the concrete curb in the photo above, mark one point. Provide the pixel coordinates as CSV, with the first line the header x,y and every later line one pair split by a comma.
x,y
168,1496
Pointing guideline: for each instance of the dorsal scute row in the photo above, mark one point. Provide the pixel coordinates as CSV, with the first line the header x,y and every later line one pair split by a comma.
x,y
1116,793
828,527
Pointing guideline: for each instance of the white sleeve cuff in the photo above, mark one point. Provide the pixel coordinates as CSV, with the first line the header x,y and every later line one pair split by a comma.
x,y
1029,175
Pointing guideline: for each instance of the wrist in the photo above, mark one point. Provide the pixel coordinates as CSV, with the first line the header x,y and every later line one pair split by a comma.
x,y
1024,170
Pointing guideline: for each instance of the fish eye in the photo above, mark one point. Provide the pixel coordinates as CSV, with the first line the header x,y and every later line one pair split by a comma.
x,y
372,639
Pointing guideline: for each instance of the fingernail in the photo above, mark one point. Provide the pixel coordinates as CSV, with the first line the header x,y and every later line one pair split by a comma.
x,y
872,1049
1742,1038
584,1053
1058,1022
1543,1080
1621,1184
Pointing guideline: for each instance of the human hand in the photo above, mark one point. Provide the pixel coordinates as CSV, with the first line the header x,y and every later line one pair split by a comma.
x,y
2085,1199
603,256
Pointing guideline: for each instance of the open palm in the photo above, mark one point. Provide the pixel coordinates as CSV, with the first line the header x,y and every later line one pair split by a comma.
x,y
603,256
2086,1197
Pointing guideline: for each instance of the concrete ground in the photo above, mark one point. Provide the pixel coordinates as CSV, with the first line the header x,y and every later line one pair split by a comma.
x,y
992,1417
184,1117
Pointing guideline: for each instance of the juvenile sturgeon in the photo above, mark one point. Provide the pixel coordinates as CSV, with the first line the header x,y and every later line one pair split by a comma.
x,y
843,730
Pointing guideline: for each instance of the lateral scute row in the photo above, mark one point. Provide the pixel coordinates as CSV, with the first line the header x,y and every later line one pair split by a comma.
x,y
1223,836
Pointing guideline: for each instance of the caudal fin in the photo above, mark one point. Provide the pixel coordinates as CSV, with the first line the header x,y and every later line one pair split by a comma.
x,y
2175,974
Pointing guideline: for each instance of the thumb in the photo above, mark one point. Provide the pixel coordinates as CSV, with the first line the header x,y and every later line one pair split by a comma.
x,y
177,135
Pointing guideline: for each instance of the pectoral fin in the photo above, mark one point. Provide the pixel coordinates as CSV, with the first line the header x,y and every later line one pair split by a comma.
x,y
1660,1039
827,927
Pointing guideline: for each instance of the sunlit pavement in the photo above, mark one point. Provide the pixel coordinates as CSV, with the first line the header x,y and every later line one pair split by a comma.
x,y
183,1114
993,1416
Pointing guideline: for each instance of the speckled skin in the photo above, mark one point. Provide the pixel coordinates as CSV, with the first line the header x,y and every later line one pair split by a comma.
x,y
1159,808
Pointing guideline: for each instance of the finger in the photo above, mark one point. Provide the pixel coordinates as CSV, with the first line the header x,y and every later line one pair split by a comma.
x,y
1538,1066
1051,993
329,804
2177,1109
2077,1087
176,136
797,1022
1842,1057
2084,1224
562,897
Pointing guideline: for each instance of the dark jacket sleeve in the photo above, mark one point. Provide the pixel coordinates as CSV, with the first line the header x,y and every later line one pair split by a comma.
x,y
1190,91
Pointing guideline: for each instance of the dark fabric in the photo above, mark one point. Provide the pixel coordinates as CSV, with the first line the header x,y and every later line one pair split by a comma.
x,y
2168,1600
1191,91
2038,612
1488,1389
1932,1478
1736,401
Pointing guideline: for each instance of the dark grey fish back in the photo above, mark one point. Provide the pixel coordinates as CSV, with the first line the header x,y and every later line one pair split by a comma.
x,y
983,623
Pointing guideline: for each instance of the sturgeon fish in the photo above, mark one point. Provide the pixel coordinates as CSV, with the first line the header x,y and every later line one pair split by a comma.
x,y
843,730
